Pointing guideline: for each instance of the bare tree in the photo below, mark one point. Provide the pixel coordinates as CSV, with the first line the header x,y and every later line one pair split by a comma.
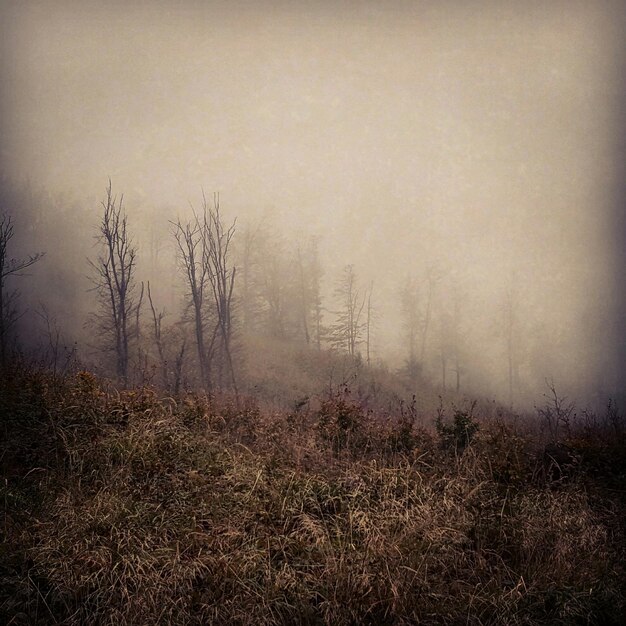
x,y
178,365
204,245
309,292
347,332
447,311
316,278
9,267
456,337
221,277
419,304
170,343
273,288
249,265
304,298
265,280
157,319
557,414
409,307
513,325
280,291
368,323
509,324
432,278
192,245
446,343
56,354
114,282
411,327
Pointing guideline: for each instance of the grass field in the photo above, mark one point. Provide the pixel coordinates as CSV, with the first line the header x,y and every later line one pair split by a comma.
x,y
128,507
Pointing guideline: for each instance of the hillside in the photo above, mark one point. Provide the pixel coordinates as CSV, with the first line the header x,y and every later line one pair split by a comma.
x,y
136,508
284,373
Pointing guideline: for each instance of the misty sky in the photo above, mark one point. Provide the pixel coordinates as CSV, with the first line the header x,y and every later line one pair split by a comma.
x,y
483,137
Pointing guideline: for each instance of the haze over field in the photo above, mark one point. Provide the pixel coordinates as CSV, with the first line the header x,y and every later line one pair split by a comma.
x,y
481,141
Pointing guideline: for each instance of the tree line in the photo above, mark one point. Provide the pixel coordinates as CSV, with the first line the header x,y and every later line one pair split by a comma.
x,y
234,282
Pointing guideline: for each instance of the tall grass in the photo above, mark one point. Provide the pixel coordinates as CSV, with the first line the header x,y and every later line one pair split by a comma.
x,y
134,508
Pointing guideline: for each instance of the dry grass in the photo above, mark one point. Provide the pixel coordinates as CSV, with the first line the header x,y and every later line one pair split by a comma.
x,y
132,508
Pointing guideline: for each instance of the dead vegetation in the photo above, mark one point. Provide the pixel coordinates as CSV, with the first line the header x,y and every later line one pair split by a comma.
x,y
128,507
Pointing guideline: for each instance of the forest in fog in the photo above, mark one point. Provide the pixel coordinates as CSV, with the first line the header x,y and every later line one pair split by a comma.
x,y
434,191
312,312
197,297
193,298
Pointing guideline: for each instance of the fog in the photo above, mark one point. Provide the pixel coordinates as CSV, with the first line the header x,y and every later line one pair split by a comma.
x,y
481,141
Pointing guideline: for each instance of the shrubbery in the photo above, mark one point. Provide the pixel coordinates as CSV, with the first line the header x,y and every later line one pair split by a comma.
x,y
460,432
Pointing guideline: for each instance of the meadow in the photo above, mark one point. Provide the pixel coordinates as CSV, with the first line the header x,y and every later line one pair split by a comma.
x,y
135,507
